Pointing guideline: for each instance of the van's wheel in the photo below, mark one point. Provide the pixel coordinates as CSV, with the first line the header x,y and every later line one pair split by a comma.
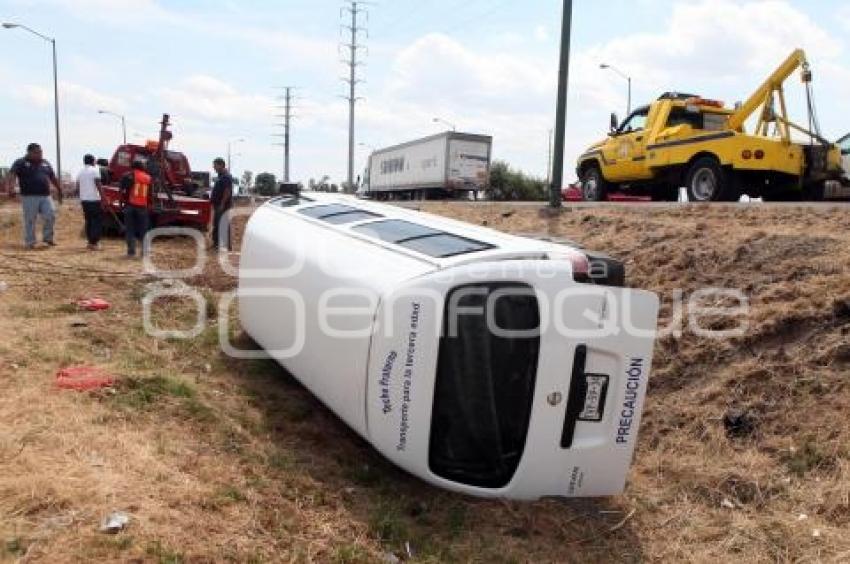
x,y
593,185
706,181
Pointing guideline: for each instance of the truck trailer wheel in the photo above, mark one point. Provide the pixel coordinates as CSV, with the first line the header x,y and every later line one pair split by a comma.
x,y
593,185
706,181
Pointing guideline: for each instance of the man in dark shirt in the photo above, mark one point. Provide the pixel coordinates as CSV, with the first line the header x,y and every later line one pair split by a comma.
x,y
221,198
35,176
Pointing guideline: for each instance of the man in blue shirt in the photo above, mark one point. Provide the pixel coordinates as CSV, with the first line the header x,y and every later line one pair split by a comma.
x,y
35,176
221,198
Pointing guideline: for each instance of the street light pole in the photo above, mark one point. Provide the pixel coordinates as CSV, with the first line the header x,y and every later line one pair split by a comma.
x,y
561,113
119,116
448,123
229,149
627,78
52,42
56,116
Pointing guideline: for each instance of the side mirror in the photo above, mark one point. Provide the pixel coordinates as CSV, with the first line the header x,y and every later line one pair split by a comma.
x,y
615,123
103,162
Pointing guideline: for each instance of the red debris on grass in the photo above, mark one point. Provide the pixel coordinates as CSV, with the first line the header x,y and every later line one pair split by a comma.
x,y
83,378
93,304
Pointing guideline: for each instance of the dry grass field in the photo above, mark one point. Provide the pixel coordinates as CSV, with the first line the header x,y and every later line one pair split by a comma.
x,y
220,460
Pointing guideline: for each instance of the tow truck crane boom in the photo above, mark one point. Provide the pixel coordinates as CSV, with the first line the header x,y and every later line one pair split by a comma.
x,y
765,98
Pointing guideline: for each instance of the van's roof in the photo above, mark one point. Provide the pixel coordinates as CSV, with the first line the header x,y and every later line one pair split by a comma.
x,y
504,246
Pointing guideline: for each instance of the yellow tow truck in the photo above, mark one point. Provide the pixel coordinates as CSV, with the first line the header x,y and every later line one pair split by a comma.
x,y
684,140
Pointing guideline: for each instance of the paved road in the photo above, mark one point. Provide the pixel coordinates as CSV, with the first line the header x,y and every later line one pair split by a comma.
x,y
638,205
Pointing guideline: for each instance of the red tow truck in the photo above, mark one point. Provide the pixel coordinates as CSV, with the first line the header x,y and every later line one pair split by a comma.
x,y
180,196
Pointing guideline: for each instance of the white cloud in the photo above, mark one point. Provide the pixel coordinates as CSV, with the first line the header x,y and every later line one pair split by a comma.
x,y
439,70
541,33
844,16
72,96
207,97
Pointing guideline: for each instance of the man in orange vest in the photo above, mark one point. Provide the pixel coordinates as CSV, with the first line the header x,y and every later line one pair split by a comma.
x,y
136,195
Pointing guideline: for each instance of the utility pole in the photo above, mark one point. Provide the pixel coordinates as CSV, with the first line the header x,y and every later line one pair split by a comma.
x,y
287,116
52,41
561,113
549,165
355,9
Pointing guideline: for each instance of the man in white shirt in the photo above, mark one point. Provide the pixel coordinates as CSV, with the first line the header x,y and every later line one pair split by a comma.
x,y
89,185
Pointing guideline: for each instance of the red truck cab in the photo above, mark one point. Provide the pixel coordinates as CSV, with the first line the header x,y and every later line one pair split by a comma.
x,y
180,197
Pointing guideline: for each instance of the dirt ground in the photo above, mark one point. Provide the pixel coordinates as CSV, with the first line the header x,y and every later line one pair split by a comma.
x,y
216,459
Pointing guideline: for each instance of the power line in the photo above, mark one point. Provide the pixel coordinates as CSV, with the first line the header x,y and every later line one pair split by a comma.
x,y
477,18
355,9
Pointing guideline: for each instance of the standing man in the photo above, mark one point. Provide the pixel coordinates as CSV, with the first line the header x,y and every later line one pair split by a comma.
x,y
136,200
222,200
89,186
35,176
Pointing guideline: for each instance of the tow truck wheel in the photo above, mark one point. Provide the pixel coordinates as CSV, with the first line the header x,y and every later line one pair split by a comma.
x,y
706,181
593,186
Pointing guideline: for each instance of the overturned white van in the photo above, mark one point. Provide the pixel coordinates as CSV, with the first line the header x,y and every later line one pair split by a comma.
x,y
484,363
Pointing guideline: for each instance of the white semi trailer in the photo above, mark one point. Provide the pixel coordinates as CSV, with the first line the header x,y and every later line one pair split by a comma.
x,y
447,165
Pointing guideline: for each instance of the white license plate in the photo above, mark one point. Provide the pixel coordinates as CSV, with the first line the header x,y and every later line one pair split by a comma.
x,y
596,388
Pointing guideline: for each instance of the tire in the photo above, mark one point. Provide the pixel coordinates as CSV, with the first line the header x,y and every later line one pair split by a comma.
x,y
706,181
594,188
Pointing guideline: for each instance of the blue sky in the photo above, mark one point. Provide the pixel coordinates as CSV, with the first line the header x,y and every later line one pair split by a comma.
x,y
489,66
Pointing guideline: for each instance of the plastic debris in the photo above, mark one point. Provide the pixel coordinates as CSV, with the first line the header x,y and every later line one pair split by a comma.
x,y
93,304
115,523
727,504
83,378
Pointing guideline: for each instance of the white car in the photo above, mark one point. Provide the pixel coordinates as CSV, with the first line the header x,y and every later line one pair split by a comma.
x,y
483,363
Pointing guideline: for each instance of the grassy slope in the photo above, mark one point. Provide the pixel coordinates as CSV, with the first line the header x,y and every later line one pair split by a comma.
x,y
220,459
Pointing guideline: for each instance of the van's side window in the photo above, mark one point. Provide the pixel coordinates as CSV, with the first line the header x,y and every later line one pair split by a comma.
x,y
431,242
338,214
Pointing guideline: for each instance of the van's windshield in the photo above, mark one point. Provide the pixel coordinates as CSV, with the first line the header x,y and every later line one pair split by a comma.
x,y
484,390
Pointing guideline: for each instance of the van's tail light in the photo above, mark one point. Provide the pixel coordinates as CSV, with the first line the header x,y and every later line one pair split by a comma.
x,y
596,269
581,265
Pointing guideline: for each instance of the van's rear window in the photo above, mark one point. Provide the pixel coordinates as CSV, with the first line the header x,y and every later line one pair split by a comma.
x,y
486,374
